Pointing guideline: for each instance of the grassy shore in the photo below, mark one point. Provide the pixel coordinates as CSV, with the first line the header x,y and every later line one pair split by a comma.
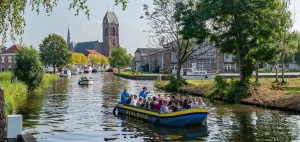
x,y
268,94
16,92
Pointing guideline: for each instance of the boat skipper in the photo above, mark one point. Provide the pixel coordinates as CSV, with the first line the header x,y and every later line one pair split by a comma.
x,y
144,93
124,97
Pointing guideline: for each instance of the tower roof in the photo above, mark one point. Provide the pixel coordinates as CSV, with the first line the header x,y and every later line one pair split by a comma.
x,y
111,18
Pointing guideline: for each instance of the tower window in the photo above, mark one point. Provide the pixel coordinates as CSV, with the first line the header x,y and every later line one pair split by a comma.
x,y
114,42
113,32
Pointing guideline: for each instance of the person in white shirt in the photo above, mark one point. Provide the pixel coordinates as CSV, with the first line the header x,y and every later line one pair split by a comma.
x,y
134,100
201,104
194,103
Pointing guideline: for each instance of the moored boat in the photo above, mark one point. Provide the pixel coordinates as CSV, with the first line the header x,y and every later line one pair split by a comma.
x,y
187,117
65,73
96,69
75,71
87,69
85,81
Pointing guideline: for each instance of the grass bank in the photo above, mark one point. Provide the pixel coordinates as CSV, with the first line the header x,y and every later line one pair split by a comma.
x,y
17,92
268,94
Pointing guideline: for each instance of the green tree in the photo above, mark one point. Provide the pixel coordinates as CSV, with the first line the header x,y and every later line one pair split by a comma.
x,y
12,20
83,59
166,30
241,28
54,51
119,58
29,68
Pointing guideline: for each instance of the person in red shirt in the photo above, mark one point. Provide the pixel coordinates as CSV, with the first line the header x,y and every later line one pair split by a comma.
x,y
158,105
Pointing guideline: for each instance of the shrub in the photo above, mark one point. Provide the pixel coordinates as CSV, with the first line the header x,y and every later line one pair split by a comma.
x,y
29,68
175,84
238,91
221,88
159,84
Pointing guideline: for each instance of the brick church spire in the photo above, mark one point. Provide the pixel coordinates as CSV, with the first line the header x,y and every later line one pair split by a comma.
x,y
110,33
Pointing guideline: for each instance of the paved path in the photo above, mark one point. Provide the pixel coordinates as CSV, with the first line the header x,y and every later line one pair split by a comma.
x,y
264,74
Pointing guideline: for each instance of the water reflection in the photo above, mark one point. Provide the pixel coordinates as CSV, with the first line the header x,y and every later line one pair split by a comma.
x,y
70,112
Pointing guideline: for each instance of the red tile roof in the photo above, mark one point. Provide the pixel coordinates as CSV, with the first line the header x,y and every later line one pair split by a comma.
x,y
94,52
13,48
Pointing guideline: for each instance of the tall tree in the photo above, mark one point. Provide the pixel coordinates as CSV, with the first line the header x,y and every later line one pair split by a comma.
x,y
12,20
167,28
29,68
54,51
119,58
104,60
239,28
94,59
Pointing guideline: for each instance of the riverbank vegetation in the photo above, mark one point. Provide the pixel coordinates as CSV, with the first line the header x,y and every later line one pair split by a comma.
x,y
16,92
267,94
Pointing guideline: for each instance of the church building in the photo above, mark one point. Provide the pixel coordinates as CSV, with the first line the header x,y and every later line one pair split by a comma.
x,y
110,33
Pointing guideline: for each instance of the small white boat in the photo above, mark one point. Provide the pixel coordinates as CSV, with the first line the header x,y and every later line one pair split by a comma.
x,y
65,73
85,81
75,71
190,73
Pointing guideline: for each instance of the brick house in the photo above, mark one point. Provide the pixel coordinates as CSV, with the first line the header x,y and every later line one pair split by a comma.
x,y
7,58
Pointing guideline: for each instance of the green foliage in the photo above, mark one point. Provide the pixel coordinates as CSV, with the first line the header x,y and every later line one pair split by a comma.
x,y
12,13
221,88
15,93
119,58
28,68
54,51
297,57
230,91
175,84
159,84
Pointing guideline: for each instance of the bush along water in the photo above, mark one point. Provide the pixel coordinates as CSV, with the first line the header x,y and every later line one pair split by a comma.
x,y
175,84
229,91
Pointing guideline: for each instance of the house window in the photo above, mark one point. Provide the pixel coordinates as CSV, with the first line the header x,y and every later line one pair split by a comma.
x,y
2,69
2,59
9,68
229,68
9,59
173,66
113,32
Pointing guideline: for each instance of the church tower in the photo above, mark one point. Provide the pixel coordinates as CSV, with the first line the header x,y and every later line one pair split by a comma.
x,y
110,33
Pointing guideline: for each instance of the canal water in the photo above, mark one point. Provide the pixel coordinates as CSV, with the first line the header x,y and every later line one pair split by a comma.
x,y
69,112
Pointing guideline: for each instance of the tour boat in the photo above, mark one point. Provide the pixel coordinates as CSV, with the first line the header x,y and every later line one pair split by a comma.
x,y
87,69
65,73
187,117
190,73
85,81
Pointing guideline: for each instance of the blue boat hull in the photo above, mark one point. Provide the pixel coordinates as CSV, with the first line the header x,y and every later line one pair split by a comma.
x,y
187,117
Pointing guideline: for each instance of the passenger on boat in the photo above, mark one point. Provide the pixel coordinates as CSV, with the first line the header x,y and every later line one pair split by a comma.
x,y
124,97
155,100
171,100
140,102
158,105
134,100
144,93
129,99
159,97
164,108
165,98
148,103
201,104
194,103
187,102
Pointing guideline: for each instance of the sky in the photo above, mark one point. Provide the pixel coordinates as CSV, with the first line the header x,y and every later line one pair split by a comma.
x,y
132,35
